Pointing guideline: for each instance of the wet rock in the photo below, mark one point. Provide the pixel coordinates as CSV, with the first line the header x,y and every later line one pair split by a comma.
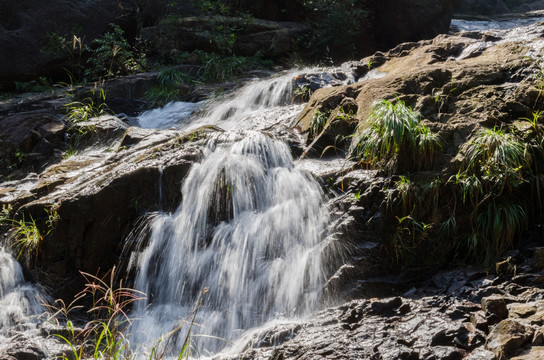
x,y
29,141
479,321
481,354
495,309
538,338
534,353
100,193
505,267
508,336
447,353
538,258
21,348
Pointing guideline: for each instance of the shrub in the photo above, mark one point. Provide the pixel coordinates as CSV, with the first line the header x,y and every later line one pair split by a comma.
x,y
394,129
495,166
106,334
25,236
112,55
336,25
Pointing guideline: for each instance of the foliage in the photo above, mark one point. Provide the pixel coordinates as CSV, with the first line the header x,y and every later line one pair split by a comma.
x,y
336,25
167,89
394,129
25,236
498,224
318,123
106,335
496,165
83,110
112,55
410,236
218,68
34,86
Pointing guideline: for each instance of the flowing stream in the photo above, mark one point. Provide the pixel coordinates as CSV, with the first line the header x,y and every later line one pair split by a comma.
x,y
248,230
20,302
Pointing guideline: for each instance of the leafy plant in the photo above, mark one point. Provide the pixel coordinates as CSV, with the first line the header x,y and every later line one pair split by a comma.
x,y
167,89
318,123
498,158
394,129
25,236
83,110
409,237
112,55
336,25
52,217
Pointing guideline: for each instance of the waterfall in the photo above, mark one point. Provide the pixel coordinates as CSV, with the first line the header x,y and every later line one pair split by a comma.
x,y
249,229
242,109
19,301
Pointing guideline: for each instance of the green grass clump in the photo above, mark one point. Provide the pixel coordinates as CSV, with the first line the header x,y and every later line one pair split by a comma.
x,y
318,123
106,333
496,165
167,88
393,129
25,236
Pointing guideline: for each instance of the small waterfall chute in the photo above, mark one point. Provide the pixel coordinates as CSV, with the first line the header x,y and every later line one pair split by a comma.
x,y
249,230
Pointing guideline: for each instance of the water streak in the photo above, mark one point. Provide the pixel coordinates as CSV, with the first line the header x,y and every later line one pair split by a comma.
x,y
19,300
249,229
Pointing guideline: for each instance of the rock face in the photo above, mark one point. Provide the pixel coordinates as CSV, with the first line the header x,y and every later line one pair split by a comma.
x,y
433,321
98,194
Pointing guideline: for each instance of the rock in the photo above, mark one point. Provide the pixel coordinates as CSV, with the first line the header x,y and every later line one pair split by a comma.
x,y
505,267
481,354
478,320
384,306
29,140
27,25
448,353
421,19
276,10
522,310
495,7
534,353
99,195
21,348
538,258
508,336
538,338
495,309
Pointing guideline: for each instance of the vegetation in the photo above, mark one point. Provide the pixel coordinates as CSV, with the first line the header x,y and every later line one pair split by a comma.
x,y
495,167
318,123
25,236
336,26
112,55
106,334
394,130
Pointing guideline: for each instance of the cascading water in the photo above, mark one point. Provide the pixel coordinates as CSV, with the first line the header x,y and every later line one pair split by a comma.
x,y
19,301
249,229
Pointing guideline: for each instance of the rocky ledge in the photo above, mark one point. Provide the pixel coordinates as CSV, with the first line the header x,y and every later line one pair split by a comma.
x,y
460,314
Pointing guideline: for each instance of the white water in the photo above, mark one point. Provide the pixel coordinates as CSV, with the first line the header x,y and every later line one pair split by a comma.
x,y
20,302
171,114
249,229
234,111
